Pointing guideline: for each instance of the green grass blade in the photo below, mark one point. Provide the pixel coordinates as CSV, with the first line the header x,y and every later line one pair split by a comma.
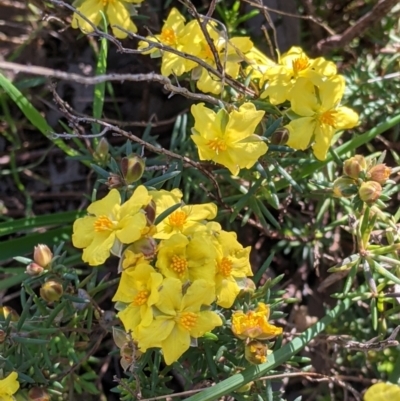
x,y
34,116
16,226
24,245
99,89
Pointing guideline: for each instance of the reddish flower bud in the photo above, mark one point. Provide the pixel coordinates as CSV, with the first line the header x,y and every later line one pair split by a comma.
x,y
280,137
114,181
38,394
33,269
379,173
132,168
150,211
51,291
42,255
3,336
354,166
370,191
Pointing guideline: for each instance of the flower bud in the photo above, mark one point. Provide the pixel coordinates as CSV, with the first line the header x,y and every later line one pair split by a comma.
x,y
38,394
51,291
280,137
245,388
6,311
370,191
3,336
101,153
150,211
344,187
379,173
256,352
354,166
33,269
132,168
146,246
42,255
114,181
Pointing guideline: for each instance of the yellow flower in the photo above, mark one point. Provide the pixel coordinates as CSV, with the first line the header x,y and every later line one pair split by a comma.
x,y
9,386
228,139
187,259
293,65
185,219
230,52
254,324
116,11
319,114
232,263
110,224
173,34
179,318
139,289
383,392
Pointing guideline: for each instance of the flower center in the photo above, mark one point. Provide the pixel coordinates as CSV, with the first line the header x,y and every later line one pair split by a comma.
x,y
329,118
168,36
225,267
141,298
217,145
105,2
178,264
177,219
103,223
188,320
300,64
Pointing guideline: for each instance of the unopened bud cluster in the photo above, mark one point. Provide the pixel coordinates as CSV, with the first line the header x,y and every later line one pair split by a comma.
x,y
362,179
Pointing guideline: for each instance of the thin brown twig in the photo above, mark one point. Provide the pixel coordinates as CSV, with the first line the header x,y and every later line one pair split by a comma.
x,y
86,80
305,17
272,26
379,11
203,26
109,127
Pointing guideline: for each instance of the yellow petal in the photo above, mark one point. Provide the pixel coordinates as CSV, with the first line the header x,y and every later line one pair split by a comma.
x,y
243,122
175,344
206,321
301,132
227,292
331,92
131,228
118,15
248,151
382,392
323,138
9,385
83,231
345,118
139,198
99,250
303,98
106,205
91,10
